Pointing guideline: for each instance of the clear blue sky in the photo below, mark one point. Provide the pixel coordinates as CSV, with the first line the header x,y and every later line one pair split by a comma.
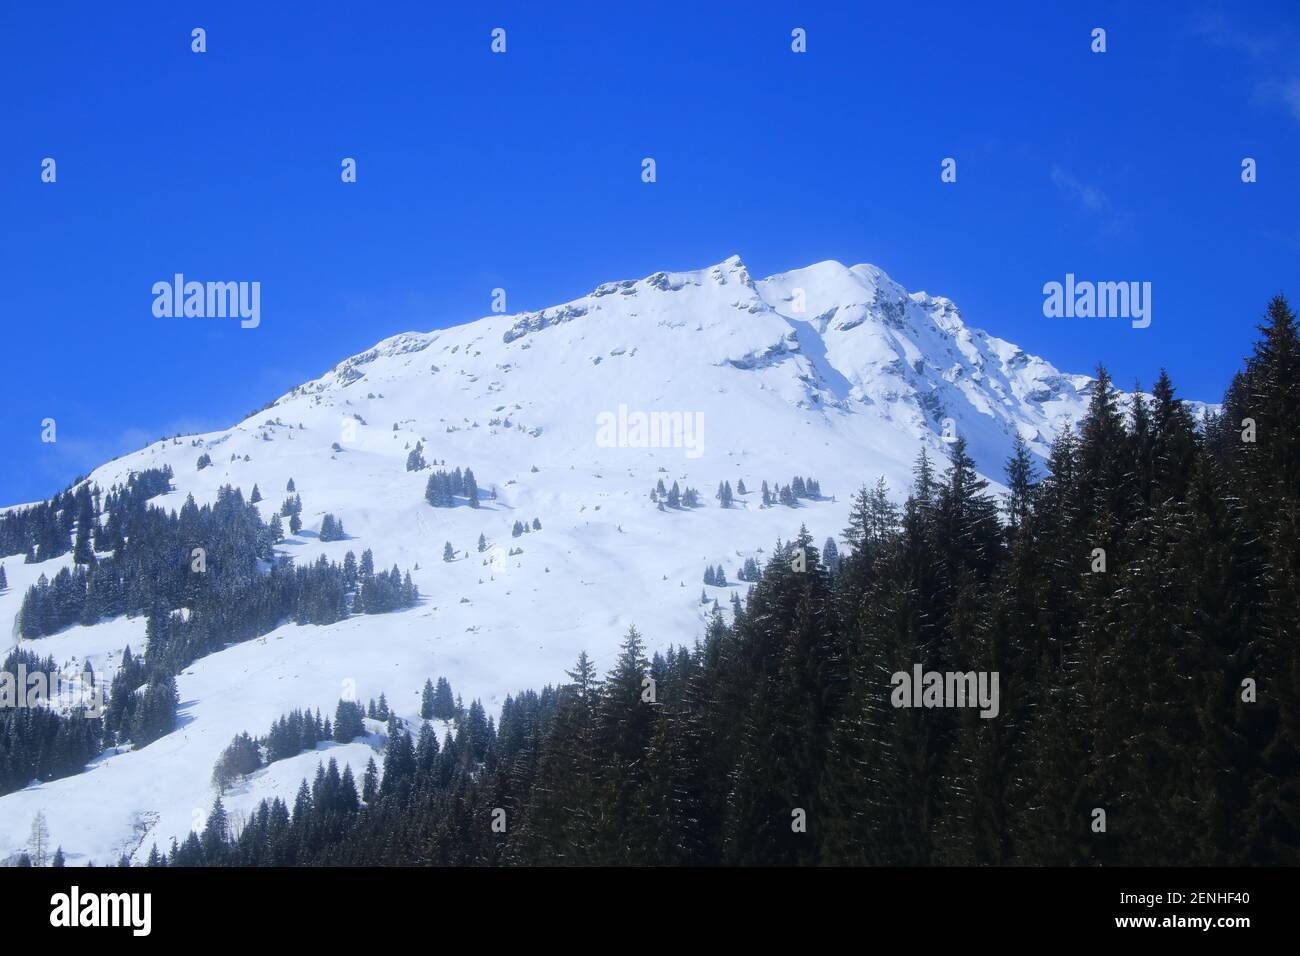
x,y
523,171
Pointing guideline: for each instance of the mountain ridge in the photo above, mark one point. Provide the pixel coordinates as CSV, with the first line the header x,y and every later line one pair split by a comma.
x,y
831,372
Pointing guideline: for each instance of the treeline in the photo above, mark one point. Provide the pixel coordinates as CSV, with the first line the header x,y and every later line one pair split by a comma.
x,y
444,487
327,810
209,560
40,743
44,531
674,497
520,527
1138,605
788,494
216,562
301,730
293,733
142,702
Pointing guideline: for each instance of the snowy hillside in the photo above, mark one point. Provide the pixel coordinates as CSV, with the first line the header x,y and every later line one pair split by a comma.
x,y
828,372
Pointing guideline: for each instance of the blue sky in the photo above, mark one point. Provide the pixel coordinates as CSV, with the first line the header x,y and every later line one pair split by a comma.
x,y
522,171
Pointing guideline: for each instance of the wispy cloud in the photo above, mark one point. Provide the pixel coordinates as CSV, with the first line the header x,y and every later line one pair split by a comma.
x,y
1092,201
1086,197
1276,85
1219,29
1285,92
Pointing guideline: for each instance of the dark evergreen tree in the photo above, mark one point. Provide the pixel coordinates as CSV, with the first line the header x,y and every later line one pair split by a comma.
x,y
370,783
427,701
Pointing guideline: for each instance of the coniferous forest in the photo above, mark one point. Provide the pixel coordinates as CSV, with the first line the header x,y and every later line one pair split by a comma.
x,y
1138,601
131,557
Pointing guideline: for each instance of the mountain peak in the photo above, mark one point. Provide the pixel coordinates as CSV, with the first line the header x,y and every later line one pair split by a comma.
x,y
832,372
824,338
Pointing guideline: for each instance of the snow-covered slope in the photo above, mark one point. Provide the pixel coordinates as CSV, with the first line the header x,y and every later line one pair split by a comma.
x,y
828,372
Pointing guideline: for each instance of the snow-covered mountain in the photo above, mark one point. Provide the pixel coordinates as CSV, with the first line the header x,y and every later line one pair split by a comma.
x,y
830,372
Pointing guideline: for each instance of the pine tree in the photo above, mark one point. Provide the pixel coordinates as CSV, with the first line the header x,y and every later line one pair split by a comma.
x,y
1020,483
444,703
559,824
82,553
624,721
215,832
399,762
370,782
427,701
471,488
830,556
349,721
859,529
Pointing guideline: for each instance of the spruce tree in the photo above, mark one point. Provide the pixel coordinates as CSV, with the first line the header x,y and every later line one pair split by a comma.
x,y
427,701
370,782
